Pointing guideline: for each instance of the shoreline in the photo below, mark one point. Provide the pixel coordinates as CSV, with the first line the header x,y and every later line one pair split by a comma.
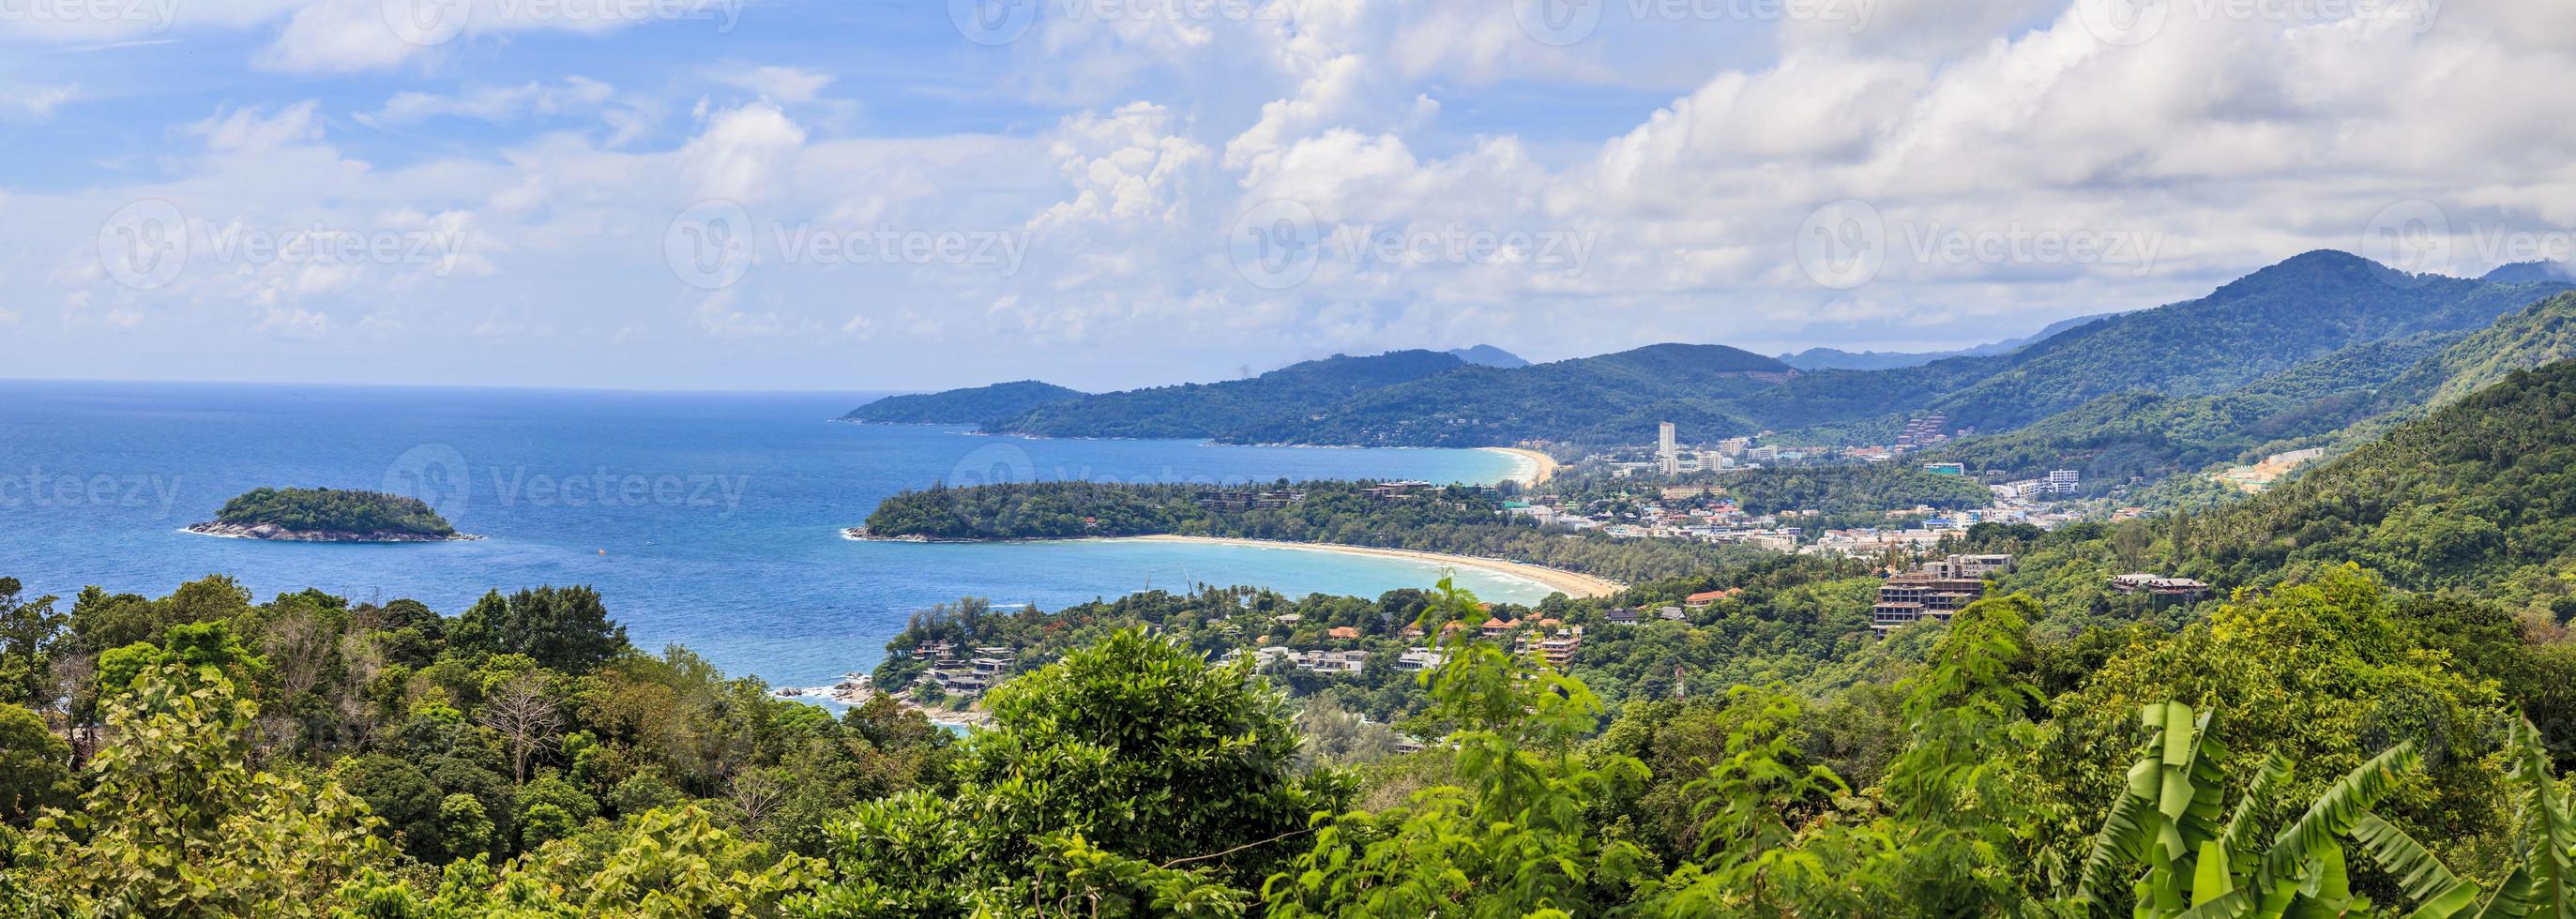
x,y
1578,586
1530,467
266,532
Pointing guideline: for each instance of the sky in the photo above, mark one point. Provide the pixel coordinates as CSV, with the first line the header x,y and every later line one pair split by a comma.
x,y
872,195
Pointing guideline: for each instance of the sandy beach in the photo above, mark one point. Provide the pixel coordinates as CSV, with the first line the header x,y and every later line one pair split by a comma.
x,y
1530,466
1574,585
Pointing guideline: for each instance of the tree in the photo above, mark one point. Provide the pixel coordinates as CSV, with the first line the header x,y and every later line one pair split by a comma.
x,y
525,717
30,631
1128,773
1515,839
2168,820
35,766
565,629
174,822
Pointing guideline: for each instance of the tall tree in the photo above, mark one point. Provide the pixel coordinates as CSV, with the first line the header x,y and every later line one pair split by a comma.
x,y
565,629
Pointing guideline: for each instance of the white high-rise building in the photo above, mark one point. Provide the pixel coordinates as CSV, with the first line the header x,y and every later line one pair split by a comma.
x,y
1668,451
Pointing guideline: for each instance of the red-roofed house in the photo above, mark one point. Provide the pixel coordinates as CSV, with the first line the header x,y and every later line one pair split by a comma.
x,y
1707,598
1343,631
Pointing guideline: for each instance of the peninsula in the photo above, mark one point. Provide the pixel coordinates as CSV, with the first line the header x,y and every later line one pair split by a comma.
x,y
328,515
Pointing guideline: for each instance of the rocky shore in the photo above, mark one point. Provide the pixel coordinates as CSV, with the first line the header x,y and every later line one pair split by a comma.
x,y
271,531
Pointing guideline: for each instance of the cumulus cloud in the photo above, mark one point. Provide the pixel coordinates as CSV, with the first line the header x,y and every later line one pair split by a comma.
x,y
494,104
1445,174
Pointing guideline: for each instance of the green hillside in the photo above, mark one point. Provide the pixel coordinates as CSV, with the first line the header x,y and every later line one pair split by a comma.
x,y
1611,398
1217,409
2343,399
2154,435
2478,494
963,406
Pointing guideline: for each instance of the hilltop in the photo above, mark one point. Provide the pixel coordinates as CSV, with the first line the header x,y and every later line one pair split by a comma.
x,y
963,406
328,515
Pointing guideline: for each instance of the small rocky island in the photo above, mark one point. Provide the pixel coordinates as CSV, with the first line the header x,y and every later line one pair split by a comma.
x,y
328,515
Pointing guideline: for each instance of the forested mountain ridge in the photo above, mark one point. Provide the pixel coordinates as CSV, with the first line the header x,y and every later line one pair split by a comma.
x,y
963,406
2300,309
2480,493
2305,308
2345,398
1616,397
2153,435
1211,410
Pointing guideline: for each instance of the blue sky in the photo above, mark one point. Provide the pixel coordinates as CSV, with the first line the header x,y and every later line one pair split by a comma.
x,y
1106,193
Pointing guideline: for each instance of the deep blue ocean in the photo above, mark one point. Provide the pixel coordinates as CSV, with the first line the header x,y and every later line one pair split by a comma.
x,y
706,519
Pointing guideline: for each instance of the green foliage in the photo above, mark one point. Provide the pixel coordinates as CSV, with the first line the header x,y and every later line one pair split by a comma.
x,y
671,862
175,823
1851,489
1132,757
2478,494
30,639
35,766
559,628
336,511
1514,839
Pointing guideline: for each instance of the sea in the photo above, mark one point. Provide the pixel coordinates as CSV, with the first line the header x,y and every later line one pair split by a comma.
x,y
710,520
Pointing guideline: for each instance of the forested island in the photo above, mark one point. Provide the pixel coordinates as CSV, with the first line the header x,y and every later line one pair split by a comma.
x,y
328,515
1451,520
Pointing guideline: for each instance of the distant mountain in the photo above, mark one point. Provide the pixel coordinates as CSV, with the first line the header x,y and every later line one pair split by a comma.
x,y
2529,272
2152,435
2349,397
2475,495
1610,398
1488,356
963,406
2264,323
2543,333
1216,410
1838,359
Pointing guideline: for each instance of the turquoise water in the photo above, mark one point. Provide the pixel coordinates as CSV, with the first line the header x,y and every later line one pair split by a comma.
x,y
710,520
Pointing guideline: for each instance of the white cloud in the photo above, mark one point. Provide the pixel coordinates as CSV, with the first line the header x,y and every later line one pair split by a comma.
x,y
784,84
38,101
495,104
741,152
